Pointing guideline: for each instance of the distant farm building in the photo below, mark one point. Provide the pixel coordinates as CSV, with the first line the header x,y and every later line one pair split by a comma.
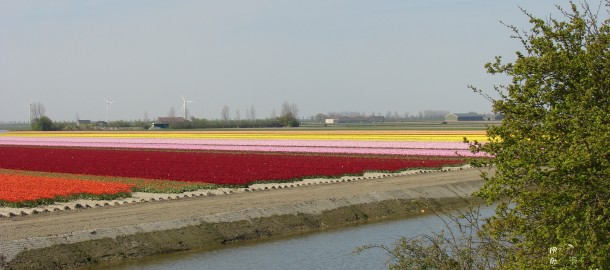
x,y
171,120
90,124
493,117
165,122
454,117
159,125
451,117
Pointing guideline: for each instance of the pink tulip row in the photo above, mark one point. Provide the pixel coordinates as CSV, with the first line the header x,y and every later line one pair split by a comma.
x,y
240,142
299,146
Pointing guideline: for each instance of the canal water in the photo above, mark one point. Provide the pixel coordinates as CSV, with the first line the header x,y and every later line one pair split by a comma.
x,y
332,249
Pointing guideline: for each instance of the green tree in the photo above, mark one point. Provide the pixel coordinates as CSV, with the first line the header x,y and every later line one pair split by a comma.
x,y
288,118
43,123
552,150
551,158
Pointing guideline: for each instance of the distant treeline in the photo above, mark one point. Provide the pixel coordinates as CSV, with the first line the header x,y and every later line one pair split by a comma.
x,y
193,123
390,116
286,119
200,123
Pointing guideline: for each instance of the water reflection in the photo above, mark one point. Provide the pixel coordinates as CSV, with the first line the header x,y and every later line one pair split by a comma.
x,y
325,250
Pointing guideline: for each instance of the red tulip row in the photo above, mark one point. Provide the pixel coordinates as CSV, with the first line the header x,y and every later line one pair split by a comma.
x,y
204,167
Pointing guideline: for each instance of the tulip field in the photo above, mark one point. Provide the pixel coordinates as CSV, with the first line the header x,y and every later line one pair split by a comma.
x,y
41,167
18,188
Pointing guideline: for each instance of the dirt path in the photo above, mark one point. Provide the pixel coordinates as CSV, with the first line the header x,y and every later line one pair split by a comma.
x,y
65,222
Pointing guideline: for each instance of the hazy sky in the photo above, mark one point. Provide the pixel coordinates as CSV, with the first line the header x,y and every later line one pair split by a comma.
x,y
323,55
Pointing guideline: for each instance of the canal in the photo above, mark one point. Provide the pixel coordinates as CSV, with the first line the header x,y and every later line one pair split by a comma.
x,y
331,249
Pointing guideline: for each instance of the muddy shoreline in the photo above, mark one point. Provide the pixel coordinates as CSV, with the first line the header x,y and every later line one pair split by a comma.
x,y
125,232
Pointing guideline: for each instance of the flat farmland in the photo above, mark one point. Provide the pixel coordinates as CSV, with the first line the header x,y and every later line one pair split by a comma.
x,y
181,161
41,171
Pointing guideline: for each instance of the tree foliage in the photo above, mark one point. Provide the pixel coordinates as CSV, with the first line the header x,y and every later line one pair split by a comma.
x,y
552,150
460,244
551,157
43,123
289,115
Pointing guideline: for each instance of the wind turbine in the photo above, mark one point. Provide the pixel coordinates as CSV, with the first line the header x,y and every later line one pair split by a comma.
x,y
107,109
184,102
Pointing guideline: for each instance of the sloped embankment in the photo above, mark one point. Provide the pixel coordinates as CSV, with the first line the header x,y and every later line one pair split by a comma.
x,y
133,231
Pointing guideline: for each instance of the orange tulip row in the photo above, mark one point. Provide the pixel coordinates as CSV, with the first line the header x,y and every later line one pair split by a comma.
x,y
19,189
